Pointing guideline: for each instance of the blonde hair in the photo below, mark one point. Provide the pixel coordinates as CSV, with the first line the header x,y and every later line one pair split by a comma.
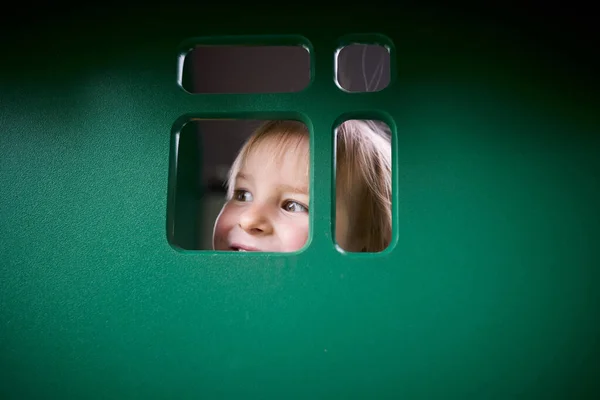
x,y
363,174
364,181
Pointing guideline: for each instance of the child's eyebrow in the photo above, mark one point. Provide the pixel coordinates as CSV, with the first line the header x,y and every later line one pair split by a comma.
x,y
302,189
295,189
241,175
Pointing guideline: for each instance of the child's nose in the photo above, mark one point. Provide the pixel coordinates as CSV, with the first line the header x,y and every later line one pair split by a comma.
x,y
255,220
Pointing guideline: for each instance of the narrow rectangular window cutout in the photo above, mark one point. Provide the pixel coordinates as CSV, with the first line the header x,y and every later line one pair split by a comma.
x,y
362,68
240,185
363,185
246,69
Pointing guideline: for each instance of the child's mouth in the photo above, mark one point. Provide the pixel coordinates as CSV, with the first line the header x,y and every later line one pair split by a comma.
x,y
242,248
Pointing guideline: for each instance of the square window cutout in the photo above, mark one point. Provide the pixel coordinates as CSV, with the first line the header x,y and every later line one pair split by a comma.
x,y
363,185
362,67
239,185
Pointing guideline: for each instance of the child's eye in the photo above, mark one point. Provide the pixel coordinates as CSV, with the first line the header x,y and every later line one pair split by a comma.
x,y
242,195
293,206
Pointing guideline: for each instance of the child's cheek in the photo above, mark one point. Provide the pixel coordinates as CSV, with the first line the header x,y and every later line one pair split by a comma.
x,y
223,223
297,239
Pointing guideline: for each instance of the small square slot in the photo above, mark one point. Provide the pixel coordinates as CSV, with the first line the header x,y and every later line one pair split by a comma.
x,y
363,67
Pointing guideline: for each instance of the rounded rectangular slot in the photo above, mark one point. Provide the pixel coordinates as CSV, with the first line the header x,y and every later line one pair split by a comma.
x,y
363,185
246,68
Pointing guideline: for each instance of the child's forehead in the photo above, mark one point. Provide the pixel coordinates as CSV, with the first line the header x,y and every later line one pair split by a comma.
x,y
280,149
276,154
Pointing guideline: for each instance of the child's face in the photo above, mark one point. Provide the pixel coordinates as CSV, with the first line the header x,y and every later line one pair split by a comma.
x,y
269,207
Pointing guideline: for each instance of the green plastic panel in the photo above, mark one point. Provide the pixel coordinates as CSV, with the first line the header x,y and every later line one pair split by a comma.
x,y
489,289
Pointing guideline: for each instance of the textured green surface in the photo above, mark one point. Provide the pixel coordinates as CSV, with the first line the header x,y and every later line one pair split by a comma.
x,y
490,289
